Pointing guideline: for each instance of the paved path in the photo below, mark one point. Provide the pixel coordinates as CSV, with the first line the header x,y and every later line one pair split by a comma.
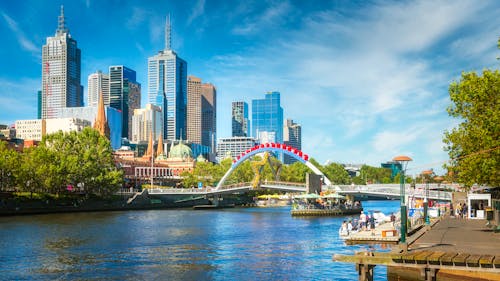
x,y
460,235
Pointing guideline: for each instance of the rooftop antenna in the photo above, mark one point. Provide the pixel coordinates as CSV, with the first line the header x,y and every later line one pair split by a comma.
x,y
168,31
61,27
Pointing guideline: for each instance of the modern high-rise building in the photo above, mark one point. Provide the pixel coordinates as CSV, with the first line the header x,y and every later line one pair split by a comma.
x,y
240,122
267,118
167,88
233,147
39,107
193,127
124,95
292,136
208,115
98,82
146,120
61,66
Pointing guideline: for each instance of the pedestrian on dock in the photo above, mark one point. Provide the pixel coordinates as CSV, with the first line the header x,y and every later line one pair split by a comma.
x,y
349,227
393,219
362,221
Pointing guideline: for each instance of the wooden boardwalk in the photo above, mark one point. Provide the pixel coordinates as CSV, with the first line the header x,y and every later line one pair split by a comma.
x,y
454,245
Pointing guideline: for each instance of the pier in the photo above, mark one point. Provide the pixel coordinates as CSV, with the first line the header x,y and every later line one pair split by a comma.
x,y
451,247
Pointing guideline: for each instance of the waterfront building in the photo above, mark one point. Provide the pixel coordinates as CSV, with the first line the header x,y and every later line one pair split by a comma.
x,y
240,123
146,121
124,95
98,83
233,147
35,129
292,136
61,66
267,118
113,118
194,109
167,88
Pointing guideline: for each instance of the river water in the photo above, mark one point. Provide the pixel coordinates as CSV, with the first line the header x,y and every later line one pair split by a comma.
x,y
228,244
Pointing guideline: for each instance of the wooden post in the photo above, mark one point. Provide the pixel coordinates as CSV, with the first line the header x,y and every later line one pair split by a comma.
x,y
430,274
365,271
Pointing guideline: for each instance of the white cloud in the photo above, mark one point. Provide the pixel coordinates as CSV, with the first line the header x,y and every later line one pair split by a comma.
x,y
274,15
197,11
23,41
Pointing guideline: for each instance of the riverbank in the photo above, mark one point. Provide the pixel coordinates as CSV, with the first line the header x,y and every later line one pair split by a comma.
x,y
14,206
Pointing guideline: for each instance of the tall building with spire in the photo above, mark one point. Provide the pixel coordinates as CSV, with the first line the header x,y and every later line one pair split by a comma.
x,y
167,87
61,68
101,124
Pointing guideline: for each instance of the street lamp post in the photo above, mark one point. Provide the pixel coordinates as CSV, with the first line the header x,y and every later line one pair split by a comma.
x,y
425,175
403,161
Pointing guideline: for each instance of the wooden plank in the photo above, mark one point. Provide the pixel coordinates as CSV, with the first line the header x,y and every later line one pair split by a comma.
x,y
486,261
447,259
409,258
435,257
460,259
473,260
421,257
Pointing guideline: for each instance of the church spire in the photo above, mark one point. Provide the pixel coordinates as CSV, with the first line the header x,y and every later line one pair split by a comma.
x,y
168,36
101,124
61,27
149,152
160,151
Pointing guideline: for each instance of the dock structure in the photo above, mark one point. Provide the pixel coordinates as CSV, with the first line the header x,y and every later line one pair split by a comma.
x,y
452,246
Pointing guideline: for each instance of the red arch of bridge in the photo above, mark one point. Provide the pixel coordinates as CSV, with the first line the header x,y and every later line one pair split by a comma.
x,y
295,153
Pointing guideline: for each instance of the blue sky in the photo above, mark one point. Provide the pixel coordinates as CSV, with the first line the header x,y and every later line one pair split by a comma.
x,y
367,80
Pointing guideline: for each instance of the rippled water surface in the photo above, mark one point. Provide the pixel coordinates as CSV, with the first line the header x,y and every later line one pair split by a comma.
x,y
229,244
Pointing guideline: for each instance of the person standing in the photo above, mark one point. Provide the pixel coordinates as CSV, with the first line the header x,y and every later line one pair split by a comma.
x,y
362,221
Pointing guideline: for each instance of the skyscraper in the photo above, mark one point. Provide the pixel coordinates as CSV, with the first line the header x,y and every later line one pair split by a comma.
x,y
208,115
167,88
61,66
124,95
98,82
194,109
292,136
146,121
240,122
267,118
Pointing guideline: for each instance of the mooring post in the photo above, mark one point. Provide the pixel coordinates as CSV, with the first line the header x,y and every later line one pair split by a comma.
x,y
365,271
430,274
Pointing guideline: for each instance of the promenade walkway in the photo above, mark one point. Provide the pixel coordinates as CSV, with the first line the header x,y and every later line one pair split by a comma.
x,y
459,235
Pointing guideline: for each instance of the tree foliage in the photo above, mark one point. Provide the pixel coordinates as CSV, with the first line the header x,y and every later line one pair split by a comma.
x,y
474,145
80,160
8,166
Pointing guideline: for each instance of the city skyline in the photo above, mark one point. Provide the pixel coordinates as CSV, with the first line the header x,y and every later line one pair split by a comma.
x,y
366,82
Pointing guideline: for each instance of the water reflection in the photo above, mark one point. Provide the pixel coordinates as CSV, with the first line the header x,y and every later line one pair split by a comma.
x,y
242,244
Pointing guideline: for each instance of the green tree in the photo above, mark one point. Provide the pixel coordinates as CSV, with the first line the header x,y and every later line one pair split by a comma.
x,y
336,173
80,159
9,160
474,146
